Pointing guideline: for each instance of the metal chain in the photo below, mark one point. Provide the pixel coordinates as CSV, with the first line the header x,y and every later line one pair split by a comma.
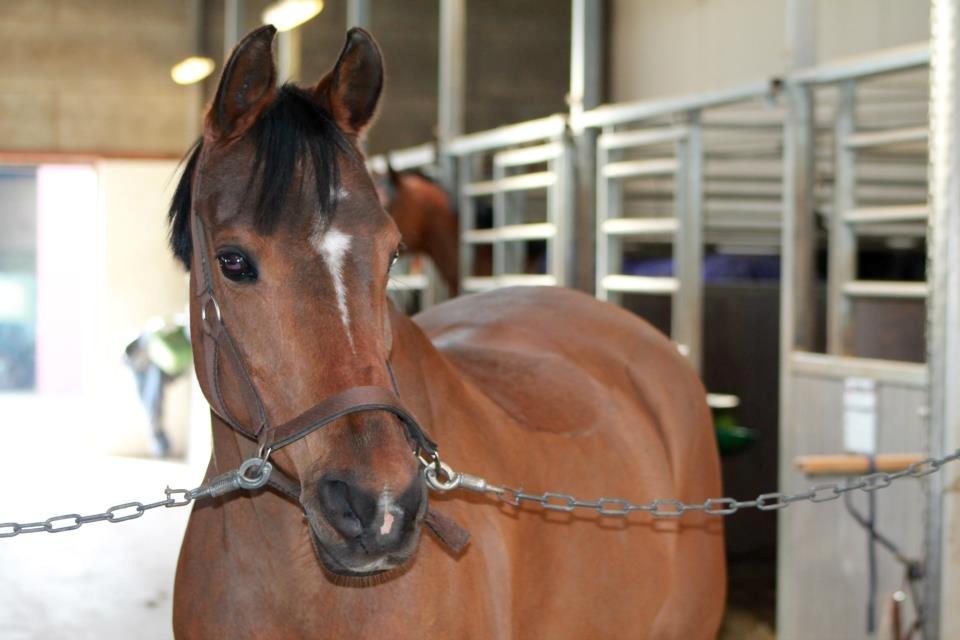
x,y
241,478
671,508
222,484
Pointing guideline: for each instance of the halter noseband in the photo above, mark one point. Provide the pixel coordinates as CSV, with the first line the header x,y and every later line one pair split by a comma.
x,y
217,344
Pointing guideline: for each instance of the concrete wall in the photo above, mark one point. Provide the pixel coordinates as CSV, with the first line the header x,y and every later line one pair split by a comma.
x,y
94,76
670,47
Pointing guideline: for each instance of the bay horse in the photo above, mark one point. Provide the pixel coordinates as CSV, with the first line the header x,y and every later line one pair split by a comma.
x,y
425,218
289,251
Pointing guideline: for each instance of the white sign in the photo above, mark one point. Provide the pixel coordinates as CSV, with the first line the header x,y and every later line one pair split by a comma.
x,y
860,415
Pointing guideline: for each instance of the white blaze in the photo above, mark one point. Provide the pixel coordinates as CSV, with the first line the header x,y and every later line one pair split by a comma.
x,y
332,247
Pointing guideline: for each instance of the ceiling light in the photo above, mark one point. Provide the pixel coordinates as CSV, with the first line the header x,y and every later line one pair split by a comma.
x,y
192,69
288,14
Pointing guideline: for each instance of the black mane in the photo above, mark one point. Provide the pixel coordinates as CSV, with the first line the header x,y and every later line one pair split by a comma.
x,y
293,126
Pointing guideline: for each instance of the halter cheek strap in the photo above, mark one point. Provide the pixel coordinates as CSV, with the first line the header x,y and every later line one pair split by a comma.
x,y
220,352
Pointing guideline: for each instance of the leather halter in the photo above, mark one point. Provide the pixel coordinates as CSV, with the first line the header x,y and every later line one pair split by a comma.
x,y
219,346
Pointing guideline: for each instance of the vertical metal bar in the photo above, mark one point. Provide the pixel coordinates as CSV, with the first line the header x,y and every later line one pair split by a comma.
x,y
451,90
468,217
500,265
560,207
232,25
452,65
942,590
801,34
686,314
288,55
796,311
358,13
198,47
842,245
567,253
586,57
586,92
609,205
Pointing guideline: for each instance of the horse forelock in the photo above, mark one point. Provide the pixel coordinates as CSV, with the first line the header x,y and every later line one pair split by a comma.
x,y
293,138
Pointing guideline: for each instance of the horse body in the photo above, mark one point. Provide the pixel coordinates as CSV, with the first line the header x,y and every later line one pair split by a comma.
x,y
545,389
621,415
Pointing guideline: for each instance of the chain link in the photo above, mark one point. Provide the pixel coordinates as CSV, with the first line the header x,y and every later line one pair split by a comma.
x,y
240,478
670,508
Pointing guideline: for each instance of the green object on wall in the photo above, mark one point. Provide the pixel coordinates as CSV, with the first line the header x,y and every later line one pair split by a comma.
x,y
170,350
732,438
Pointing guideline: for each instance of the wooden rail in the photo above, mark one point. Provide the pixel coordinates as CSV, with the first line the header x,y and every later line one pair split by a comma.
x,y
852,464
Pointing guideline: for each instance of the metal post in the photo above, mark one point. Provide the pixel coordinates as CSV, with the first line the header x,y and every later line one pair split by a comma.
x,y
796,291
943,317
586,92
451,90
197,47
801,34
452,66
501,264
842,246
687,313
288,55
468,215
232,25
608,206
358,13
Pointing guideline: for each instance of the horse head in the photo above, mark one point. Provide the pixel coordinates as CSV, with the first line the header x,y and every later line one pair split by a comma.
x,y
277,201
426,218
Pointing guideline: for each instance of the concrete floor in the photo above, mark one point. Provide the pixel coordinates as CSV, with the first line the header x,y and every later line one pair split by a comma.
x,y
103,581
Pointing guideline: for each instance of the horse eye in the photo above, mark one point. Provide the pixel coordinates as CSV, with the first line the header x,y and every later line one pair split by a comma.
x,y
235,266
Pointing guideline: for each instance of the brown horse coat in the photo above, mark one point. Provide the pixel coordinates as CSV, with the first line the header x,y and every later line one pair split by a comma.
x,y
542,388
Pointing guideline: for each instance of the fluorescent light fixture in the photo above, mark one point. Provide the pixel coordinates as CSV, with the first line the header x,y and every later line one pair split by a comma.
x,y
289,14
192,69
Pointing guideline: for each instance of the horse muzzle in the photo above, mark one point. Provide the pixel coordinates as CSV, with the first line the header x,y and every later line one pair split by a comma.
x,y
361,531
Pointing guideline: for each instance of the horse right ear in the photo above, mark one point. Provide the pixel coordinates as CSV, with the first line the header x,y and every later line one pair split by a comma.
x,y
247,85
351,90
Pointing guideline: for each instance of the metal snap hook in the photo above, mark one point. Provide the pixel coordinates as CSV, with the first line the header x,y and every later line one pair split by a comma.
x,y
433,478
263,454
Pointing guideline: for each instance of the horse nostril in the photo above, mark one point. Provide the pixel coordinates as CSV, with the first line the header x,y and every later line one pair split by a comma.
x,y
349,509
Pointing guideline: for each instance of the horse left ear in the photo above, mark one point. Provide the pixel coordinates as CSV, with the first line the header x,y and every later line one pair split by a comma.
x,y
351,90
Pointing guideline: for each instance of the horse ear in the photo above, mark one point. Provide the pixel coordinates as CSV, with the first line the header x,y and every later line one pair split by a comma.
x,y
247,85
351,90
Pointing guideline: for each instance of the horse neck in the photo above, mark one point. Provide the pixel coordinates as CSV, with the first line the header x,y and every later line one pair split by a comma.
x,y
422,373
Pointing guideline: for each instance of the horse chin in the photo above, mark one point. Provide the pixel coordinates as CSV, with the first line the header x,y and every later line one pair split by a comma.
x,y
347,563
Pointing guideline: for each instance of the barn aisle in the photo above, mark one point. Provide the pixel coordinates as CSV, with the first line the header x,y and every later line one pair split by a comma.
x,y
102,581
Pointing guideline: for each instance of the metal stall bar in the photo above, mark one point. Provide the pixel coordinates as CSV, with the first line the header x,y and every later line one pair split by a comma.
x,y
817,389
943,318
684,230
510,152
847,220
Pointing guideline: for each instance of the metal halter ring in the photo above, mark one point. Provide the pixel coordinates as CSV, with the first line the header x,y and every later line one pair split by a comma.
x,y
262,468
203,312
433,478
